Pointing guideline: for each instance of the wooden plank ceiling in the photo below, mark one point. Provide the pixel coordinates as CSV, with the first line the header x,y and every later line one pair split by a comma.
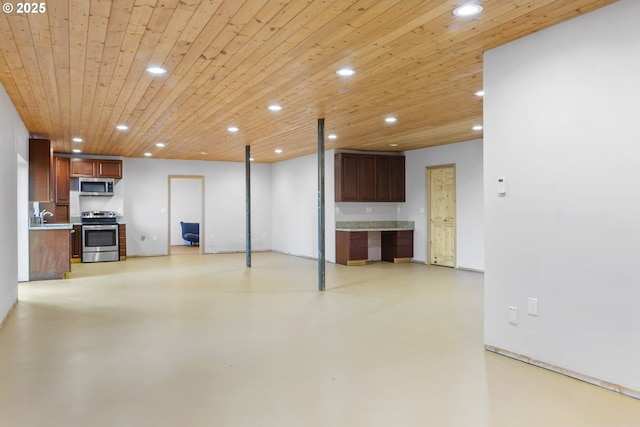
x,y
79,69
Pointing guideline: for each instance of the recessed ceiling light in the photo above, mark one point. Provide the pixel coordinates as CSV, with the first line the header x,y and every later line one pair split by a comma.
x,y
76,150
232,129
278,150
332,136
156,70
346,72
477,127
203,152
393,145
251,159
160,144
390,120
147,154
469,9
480,93
76,139
274,107
122,127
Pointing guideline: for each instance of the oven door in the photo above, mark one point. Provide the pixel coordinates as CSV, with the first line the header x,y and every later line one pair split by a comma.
x,y
100,243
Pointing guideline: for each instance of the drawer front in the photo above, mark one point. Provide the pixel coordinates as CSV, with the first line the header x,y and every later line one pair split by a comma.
x,y
405,234
361,253
405,241
358,243
404,252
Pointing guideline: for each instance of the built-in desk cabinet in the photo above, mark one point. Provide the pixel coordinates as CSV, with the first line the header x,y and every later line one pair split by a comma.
x,y
352,247
397,246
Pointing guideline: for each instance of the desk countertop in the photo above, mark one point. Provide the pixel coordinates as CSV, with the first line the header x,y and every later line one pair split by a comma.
x,y
374,225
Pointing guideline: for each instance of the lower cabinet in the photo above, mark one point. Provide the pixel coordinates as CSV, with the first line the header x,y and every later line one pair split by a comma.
x,y
49,254
122,241
397,246
76,243
352,247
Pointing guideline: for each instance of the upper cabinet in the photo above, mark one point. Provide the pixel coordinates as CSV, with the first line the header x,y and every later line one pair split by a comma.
x,y
109,168
84,168
40,170
391,178
96,168
369,178
61,188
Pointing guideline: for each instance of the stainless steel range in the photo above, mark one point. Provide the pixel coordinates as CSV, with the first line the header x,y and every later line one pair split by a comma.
x,y
100,236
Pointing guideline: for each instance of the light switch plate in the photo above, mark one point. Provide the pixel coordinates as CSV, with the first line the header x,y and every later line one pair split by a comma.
x,y
532,308
513,315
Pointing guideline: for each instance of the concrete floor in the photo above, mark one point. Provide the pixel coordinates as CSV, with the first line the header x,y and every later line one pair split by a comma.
x,y
199,340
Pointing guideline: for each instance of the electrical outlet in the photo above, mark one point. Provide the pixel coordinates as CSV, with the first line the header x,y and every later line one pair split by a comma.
x,y
513,315
368,209
532,308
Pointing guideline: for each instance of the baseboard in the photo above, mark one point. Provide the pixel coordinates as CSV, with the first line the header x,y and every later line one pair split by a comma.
x,y
13,306
474,270
566,372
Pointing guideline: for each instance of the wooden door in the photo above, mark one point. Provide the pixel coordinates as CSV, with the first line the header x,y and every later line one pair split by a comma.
x,y
441,197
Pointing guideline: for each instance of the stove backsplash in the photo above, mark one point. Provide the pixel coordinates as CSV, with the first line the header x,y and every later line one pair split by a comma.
x,y
78,204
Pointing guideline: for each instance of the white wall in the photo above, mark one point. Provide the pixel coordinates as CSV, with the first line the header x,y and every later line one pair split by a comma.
x,y
146,202
295,207
467,156
561,123
13,150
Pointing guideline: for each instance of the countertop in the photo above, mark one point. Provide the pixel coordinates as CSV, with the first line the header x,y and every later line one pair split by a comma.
x,y
53,226
374,225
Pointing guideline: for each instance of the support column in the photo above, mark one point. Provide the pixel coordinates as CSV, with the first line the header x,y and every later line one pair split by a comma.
x,y
321,211
247,167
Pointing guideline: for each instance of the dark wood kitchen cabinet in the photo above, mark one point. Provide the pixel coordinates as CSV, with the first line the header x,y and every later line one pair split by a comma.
x,y
61,199
122,241
390,171
109,168
96,168
355,177
49,254
397,246
352,247
83,168
61,189
369,178
76,243
40,170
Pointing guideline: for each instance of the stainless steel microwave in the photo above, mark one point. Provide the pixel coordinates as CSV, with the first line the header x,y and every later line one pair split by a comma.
x,y
96,186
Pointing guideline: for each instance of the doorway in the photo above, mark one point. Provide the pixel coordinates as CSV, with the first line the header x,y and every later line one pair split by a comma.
x,y
186,204
441,215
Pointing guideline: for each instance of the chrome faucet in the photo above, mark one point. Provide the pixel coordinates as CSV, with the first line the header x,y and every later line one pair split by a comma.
x,y
39,216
